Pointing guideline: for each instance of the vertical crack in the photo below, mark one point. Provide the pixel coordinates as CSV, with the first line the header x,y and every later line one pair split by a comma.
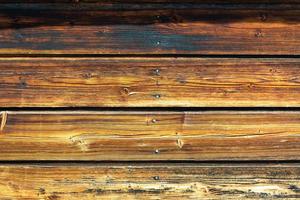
x,y
3,120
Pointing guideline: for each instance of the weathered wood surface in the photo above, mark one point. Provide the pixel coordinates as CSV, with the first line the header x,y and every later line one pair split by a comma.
x,y
139,82
151,1
214,135
149,181
263,29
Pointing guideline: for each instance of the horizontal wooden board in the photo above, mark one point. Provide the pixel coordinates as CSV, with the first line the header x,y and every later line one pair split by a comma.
x,y
149,181
150,1
153,82
225,29
215,135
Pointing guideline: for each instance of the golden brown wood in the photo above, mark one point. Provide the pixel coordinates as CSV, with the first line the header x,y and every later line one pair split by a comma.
x,y
151,136
149,181
153,82
259,29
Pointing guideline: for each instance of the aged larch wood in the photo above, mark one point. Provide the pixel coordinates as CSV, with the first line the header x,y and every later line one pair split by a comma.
x,y
152,82
149,181
150,136
263,29
149,99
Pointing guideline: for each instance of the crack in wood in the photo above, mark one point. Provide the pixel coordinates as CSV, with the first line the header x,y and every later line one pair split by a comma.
x,y
3,120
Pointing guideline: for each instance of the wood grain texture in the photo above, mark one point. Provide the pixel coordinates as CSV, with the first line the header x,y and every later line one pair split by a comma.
x,y
161,181
129,136
152,82
225,29
75,2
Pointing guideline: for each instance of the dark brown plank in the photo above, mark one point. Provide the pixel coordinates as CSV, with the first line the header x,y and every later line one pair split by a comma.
x,y
150,1
225,29
153,82
149,181
150,136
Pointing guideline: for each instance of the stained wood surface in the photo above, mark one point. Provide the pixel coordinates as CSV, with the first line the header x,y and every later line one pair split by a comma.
x,y
76,2
214,135
152,82
149,181
225,29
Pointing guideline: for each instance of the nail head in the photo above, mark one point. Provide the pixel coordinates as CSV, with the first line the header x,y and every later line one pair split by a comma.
x,y
157,71
157,96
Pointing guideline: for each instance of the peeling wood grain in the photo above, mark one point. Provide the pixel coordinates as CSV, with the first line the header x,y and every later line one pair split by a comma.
x,y
116,135
175,181
152,82
263,29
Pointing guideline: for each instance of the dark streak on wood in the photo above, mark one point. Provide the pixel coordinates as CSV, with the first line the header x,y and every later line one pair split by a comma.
x,y
184,181
155,29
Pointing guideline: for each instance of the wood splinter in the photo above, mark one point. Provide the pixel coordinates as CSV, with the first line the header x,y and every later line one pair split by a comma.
x,y
3,119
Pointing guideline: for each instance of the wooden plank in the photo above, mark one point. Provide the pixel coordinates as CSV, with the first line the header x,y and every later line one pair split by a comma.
x,y
150,181
150,135
225,29
152,82
150,1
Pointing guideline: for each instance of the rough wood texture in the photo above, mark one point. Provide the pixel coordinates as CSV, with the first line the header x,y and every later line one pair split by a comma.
x,y
271,29
150,136
138,82
149,181
79,2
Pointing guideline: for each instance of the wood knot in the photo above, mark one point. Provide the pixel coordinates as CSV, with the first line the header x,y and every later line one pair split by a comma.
x,y
263,17
259,34
87,75
127,91
250,85
3,120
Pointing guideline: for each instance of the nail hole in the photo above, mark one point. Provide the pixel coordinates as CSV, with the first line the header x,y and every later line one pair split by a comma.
x,y
23,84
